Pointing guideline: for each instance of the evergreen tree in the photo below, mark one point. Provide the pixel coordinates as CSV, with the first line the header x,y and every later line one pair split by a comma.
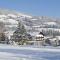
x,y
21,29
19,33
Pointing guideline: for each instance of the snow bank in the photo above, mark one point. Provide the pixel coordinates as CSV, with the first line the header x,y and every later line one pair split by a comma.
x,y
33,48
9,52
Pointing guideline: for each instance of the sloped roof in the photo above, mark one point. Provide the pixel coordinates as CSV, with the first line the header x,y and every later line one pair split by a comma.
x,y
40,35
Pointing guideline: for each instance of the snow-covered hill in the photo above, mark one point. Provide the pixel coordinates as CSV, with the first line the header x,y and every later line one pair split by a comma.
x,y
33,24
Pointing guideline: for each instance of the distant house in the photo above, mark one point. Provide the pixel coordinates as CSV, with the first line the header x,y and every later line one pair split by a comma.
x,y
53,41
39,39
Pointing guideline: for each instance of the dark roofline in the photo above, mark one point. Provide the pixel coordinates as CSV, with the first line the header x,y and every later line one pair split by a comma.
x,y
41,33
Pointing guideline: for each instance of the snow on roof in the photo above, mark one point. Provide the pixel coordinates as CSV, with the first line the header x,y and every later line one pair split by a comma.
x,y
40,35
53,39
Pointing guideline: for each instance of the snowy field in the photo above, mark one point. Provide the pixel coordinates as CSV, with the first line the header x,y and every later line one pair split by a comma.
x,y
9,52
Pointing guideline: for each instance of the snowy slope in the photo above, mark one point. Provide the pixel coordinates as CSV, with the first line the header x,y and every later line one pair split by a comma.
x,y
8,52
33,24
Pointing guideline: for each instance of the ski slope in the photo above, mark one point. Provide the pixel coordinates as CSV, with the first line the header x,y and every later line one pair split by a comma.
x,y
9,52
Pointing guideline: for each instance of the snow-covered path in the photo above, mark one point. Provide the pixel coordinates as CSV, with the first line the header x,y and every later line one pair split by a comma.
x,y
8,52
